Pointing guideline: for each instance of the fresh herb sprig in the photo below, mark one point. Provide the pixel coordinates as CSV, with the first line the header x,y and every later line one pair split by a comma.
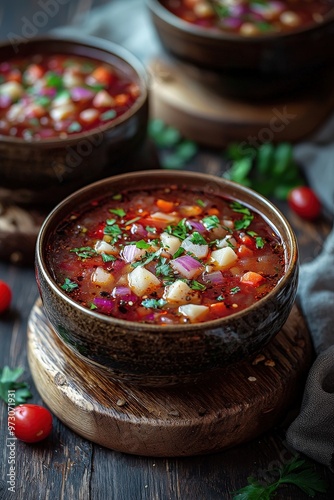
x,y
297,472
269,169
9,382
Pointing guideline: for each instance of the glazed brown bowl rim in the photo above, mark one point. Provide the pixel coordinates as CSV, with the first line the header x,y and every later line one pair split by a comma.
x,y
203,33
45,232
120,53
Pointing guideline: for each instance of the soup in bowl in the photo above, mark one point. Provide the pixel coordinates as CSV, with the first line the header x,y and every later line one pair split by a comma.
x,y
162,277
71,111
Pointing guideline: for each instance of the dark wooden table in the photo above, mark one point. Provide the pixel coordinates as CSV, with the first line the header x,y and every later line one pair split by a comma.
x,y
67,467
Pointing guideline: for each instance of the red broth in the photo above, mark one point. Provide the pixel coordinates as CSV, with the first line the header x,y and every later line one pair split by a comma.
x,y
166,256
251,17
54,96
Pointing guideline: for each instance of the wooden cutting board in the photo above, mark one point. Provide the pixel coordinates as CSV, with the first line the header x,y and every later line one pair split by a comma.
x,y
194,102
232,407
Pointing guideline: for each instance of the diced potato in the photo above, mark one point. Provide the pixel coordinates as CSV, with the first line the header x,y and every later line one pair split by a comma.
x,y
61,99
200,251
15,112
103,99
12,89
194,312
89,115
102,277
72,78
224,257
142,281
179,292
226,242
203,9
170,242
104,247
62,112
169,218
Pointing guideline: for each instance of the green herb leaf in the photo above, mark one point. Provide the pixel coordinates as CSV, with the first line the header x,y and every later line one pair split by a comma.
x,y
180,230
132,221
92,306
69,285
197,239
8,382
211,222
178,252
153,303
117,197
151,229
239,208
108,258
147,259
196,285
244,222
118,211
200,203
297,472
84,252
112,229
108,115
220,298
234,290
142,244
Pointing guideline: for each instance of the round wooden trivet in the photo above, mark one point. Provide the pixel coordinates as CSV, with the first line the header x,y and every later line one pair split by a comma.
x,y
234,406
196,105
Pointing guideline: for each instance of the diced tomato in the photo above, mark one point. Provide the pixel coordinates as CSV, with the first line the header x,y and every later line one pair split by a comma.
x,y
247,240
15,76
252,278
218,309
213,211
165,206
244,251
121,99
102,75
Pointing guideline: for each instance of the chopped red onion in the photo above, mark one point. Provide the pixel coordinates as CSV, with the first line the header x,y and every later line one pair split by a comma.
x,y
187,266
130,253
81,94
216,277
138,229
104,305
5,101
197,226
124,293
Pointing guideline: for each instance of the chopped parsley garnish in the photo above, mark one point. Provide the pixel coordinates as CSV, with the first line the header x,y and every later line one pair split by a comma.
x,y
200,203
142,244
211,222
178,252
117,197
197,239
259,242
151,229
234,290
92,306
148,257
163,268
112,229
117,211
196,285
131,221
84,252
244,222
220,298
153,303
239,208
180,230
108,258
69,285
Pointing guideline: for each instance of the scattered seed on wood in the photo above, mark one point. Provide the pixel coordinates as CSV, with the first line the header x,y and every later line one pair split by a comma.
x,y
252,379
121,402
174,413
269,362
258,359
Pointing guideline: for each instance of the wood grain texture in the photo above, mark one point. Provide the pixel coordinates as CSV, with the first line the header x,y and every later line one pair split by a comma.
x,y
204,114
230,407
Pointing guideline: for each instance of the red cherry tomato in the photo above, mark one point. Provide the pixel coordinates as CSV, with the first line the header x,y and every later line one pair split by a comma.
x,y
32,423
5,296
304,202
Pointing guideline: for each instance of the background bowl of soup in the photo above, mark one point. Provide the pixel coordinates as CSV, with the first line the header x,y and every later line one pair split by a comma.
x,y
259,48
163,277
71,112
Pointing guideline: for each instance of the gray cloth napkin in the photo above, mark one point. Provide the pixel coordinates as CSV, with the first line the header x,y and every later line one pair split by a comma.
x,y
312,432
127,23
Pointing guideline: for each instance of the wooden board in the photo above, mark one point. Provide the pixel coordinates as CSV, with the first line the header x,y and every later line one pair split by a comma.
x,y
193,101
235,406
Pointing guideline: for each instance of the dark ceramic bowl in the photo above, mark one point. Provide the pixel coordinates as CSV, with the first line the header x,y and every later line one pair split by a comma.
x,y
257,66
46,171
148,354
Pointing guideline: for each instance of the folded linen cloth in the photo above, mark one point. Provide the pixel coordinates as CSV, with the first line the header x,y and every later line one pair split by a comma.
x,y
312,432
